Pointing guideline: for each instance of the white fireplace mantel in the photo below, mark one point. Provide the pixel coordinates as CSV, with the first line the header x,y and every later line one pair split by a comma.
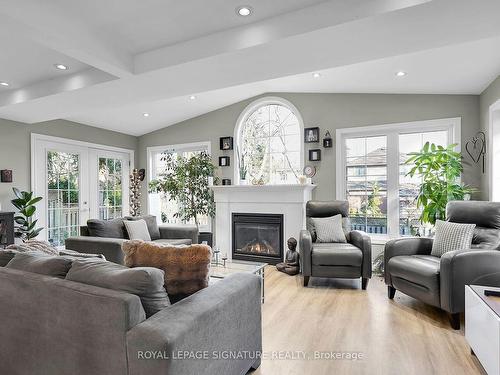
x,y
289,200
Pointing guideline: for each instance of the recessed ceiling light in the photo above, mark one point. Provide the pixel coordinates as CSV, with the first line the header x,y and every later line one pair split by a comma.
x,y
192,97
400,74
145,114
61,66
316,75
244,10
4,84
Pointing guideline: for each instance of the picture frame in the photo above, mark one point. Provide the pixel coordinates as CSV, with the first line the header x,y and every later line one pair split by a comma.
x,y
6,175
327,140
226,181
311,135
224,161
226,143
315,155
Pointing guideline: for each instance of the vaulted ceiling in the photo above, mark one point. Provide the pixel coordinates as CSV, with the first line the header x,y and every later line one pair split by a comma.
x,y
178,59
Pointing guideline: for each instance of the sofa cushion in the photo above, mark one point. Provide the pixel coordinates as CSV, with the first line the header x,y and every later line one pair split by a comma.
x,y
174,242
418,269
186,267
451,236
154,230
6,256
41,263
107,228
336,254
137,230
145,282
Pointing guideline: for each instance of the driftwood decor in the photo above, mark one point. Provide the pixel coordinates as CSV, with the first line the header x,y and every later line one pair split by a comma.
x,y
135,192
476,148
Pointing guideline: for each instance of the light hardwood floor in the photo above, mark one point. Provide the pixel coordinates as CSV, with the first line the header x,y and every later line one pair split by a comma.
x,y
402,336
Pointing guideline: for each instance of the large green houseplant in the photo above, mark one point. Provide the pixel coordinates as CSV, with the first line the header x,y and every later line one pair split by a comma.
x,y
25,203
185,180
439,169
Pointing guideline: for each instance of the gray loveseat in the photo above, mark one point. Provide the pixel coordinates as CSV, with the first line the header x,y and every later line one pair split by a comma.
x,y
59,327
410,268
348,260
106,237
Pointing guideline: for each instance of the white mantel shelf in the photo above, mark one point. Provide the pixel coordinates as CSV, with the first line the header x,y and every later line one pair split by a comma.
x,y
288,200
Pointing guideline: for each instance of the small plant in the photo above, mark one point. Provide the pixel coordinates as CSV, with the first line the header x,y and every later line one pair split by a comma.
x,y
25,203
440,169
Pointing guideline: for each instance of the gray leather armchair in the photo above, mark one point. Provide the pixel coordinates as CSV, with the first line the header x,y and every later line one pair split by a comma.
x,y
410,268
337,260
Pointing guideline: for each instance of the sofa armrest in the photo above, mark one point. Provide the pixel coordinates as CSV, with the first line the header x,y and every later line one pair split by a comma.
x,y
111,248
225,317
464,267
179,231
305,248
363,242
405,246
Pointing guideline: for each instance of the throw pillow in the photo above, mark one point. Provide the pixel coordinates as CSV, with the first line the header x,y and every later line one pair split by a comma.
x,y
186,267
137,230
153,228
145,282
329,229
43,264
34,245
451,236
106,228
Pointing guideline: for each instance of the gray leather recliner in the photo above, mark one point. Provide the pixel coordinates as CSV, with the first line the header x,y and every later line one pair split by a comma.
x,y
410,268
337,260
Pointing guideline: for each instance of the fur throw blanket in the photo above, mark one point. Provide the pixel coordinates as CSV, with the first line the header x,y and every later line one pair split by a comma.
x,y
186,267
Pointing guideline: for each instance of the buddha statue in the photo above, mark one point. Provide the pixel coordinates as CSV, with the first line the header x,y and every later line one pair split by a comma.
x,y
291,265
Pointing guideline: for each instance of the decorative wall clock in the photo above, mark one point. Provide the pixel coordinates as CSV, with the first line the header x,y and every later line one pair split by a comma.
x,y
310,171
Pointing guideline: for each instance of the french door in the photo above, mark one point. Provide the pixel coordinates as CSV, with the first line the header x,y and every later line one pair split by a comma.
x,y
77,182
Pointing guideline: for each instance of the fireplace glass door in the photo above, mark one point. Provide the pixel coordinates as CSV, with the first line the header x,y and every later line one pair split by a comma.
x,y
258,237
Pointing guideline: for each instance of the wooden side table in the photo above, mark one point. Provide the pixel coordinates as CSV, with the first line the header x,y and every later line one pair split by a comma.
x,y
482,326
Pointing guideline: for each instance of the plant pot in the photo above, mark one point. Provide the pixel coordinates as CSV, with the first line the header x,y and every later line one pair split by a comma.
x,y
243,182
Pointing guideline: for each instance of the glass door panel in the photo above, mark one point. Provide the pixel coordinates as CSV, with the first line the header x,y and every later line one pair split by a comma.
x,y
63,196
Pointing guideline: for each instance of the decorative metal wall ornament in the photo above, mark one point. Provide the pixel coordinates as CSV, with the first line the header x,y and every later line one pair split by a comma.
x,y
135,192
327,140
476,148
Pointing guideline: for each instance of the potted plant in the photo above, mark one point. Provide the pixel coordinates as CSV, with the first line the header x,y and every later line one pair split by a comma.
x,y
25,203
440,169
186,181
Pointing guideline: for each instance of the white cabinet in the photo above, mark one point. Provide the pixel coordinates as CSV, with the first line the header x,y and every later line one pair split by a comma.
x,y
482,327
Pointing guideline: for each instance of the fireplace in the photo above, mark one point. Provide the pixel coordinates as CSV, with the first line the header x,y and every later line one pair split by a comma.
x,y
258,237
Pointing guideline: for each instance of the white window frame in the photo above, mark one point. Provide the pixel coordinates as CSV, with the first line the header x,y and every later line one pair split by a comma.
x,y
493,152
151,168
249,109
392,132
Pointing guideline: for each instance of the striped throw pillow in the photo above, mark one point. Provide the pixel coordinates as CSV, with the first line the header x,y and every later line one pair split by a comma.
x,y
451,236
329,229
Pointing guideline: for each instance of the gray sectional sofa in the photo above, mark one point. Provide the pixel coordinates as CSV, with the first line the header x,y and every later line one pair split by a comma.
x,y
106,237
55,326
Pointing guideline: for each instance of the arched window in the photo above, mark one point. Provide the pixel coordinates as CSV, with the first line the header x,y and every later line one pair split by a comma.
x,y
269,143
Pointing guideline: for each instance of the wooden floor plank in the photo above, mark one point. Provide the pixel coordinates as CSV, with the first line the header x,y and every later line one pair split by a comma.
x,y
402,336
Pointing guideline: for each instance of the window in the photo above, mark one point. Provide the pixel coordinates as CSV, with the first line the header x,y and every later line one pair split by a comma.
x,y
371,173
269,142
160,205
